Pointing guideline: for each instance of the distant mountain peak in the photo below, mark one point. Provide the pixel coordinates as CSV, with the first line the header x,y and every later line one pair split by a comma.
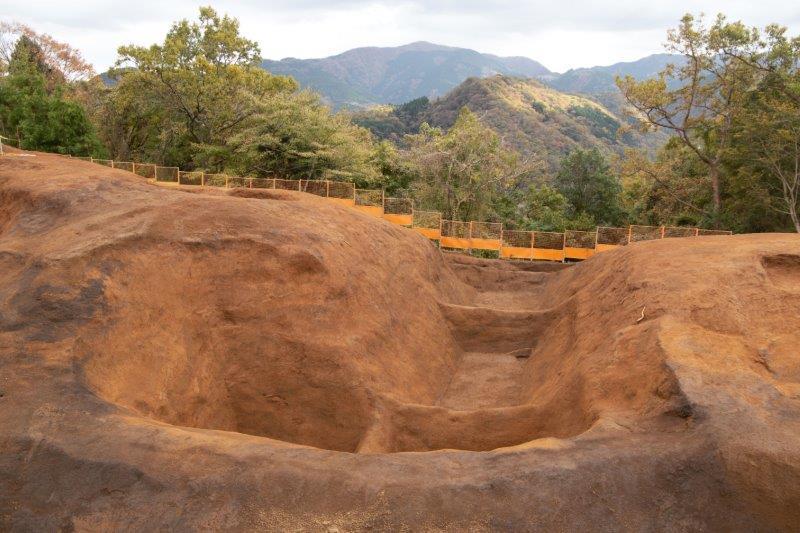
x,y
425,46
600,79
366,76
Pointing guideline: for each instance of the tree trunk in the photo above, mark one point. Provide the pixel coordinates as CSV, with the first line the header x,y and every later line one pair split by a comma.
x,y
795,218
714,173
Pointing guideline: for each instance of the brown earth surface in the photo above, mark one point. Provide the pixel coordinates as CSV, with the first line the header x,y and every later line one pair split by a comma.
x,y
237,360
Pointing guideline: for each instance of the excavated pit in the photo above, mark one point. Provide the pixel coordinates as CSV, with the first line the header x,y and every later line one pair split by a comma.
x,y
653,387
285,317
213,364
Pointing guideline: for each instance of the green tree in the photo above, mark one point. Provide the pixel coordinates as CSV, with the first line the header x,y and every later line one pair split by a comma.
x,y
196,89
766,145
671,188
734,112
709,89
545,209
294,135
38,115
395,173
462,172
585,180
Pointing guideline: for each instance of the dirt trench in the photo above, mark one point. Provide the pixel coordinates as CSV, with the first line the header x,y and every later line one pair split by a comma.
x,y
488,401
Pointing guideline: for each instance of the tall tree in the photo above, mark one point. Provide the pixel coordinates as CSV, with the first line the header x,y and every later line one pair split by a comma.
x,y
39,116
462,172
767,143
544,209
63,62
198,86
709,88
585,180
294,135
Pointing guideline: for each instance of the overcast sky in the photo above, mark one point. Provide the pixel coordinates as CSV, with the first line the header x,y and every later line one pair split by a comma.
x,y
560,34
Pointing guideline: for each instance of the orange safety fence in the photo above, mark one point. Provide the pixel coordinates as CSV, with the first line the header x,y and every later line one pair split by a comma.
x,y
676,231
548,245
287,185
544,245
145,170
259,183
579,244
190,178
486,235
235,182
644,233
316,187
216,180
517,244
341,192
398,211
610,238
427,223
455,234
369,201
123,165
169,174
706,232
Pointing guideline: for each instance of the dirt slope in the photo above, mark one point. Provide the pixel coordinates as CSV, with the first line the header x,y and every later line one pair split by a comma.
x,y
178,359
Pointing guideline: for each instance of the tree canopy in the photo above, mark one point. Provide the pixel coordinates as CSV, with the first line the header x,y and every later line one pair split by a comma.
x,y
731,105
196,90
34,109
462,171
585,180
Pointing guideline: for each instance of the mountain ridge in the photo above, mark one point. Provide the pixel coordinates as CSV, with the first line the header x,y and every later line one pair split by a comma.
x,y
367,76
529,116
374,75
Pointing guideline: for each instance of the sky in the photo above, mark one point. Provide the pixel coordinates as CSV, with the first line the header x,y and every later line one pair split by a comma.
x,y
560,34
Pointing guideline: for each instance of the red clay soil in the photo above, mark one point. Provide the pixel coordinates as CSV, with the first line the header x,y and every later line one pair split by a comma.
x,y
238,360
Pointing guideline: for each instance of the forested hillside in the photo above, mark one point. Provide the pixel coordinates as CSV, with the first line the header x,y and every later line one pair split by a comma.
x,y
528,116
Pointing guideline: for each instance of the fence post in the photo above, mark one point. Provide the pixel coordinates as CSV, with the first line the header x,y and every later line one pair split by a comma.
x,y
500,251
630,233
327,188
226,181
663,229
533,243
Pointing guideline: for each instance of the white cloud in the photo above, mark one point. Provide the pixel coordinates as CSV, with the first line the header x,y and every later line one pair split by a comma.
x,y
559,34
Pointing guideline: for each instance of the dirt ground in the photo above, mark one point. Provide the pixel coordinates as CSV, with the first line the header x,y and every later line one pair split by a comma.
x,y
181,359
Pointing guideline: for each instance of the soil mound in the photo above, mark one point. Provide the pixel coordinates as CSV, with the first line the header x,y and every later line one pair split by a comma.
x,y
193,359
